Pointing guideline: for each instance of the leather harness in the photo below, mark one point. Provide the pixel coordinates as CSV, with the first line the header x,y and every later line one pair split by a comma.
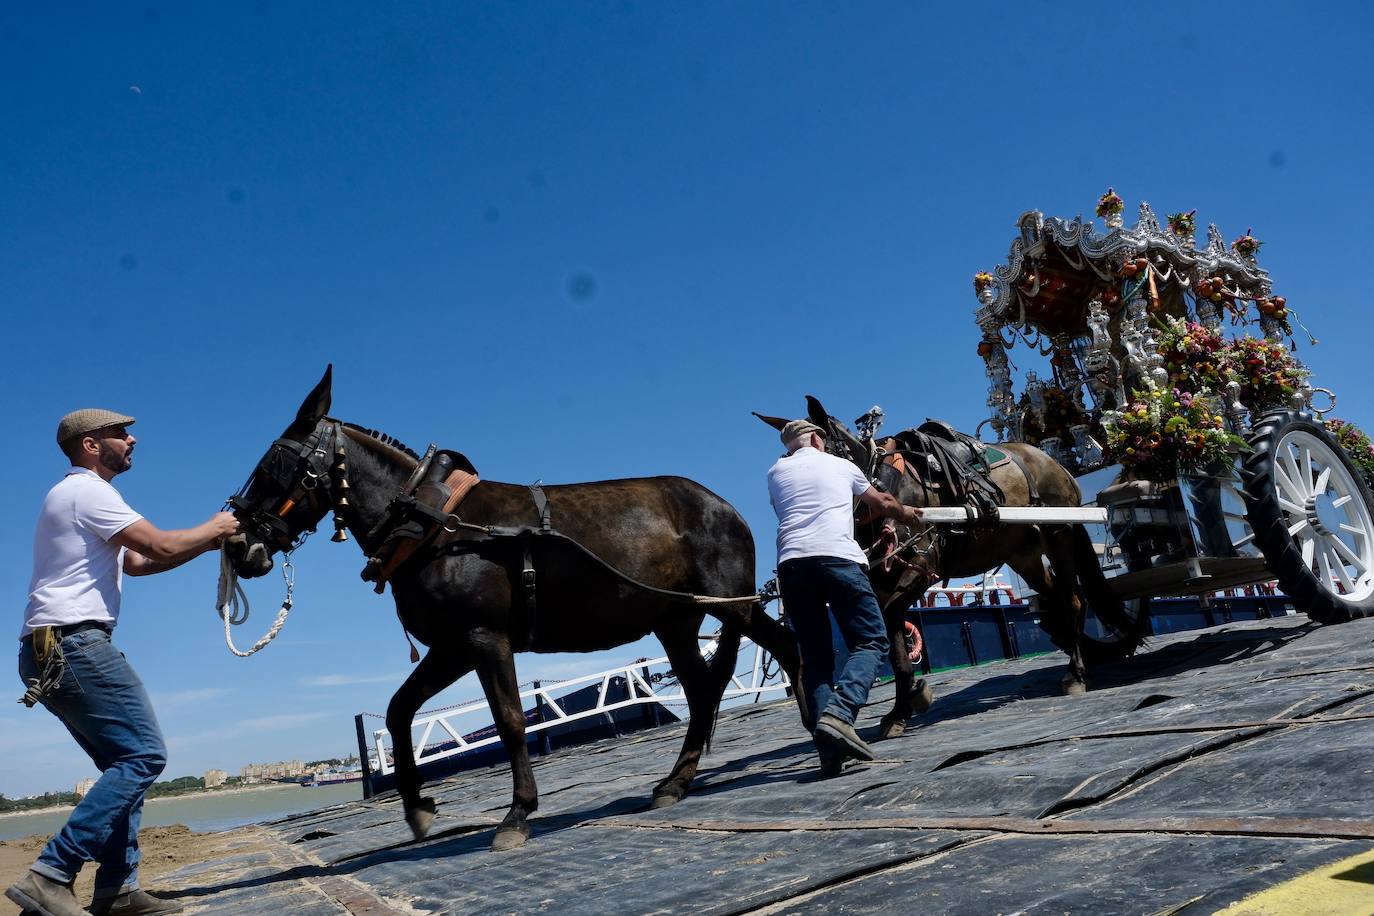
x,y
426,511
424,506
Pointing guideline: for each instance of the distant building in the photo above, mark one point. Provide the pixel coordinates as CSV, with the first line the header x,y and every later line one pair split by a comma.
x,y
83,786
257,772
215,778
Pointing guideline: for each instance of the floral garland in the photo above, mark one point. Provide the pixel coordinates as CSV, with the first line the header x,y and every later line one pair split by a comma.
x,y
1356,445
1198,358
1110,204
1195,356
1179,429
1167,432
1182,224
1268,374
1247,246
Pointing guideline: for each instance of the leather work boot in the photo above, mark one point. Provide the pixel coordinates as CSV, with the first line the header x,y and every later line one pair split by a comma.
x,y
837,734
39,894
832,761
134,903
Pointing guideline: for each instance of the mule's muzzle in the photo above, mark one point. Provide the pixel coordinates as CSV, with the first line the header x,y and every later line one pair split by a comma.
x,y
249,556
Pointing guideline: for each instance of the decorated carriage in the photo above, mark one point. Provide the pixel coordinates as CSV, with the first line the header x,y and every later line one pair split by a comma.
x,y
1163,375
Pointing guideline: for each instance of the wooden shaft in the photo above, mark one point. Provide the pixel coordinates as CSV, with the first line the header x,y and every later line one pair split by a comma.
x,y
1018,515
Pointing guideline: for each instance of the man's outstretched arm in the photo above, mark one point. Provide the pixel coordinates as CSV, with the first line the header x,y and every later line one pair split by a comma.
x,y
888,507
151,550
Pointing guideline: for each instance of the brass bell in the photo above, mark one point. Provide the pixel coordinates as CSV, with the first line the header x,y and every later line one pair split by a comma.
x,y
340,535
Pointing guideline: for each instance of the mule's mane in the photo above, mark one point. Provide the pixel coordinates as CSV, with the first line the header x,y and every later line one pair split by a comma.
x,y
383,438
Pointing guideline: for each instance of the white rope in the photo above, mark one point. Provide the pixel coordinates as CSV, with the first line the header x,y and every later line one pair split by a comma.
x,y
232,604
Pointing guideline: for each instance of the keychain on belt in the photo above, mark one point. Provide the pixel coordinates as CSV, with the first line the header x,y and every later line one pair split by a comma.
x,y
47,651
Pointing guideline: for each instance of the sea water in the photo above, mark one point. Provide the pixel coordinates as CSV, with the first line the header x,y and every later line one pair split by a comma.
x,y
203,812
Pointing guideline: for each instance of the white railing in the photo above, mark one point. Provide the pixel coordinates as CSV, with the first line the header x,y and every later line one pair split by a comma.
x,y
643,685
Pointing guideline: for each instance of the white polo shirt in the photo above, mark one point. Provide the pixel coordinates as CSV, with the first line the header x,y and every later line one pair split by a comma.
x,y
813,495
77,572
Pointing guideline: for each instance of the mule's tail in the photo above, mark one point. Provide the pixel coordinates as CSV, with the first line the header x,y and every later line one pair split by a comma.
x,y
722,667
1103,601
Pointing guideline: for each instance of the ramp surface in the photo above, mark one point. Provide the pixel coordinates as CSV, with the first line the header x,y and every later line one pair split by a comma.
x,y
1212,766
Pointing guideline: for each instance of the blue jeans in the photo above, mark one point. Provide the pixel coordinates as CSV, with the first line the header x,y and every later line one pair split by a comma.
x,y
808,584
103,704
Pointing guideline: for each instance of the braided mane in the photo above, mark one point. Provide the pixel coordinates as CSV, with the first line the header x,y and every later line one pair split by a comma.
x,y
385,439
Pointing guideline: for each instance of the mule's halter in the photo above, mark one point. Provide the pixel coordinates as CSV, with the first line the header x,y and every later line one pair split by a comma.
x,y
297,469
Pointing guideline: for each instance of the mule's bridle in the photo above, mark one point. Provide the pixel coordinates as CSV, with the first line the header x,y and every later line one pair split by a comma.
x,y
297,468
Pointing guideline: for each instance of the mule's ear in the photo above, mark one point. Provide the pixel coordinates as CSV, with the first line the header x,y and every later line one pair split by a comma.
x,y
776,422
315,406
816,413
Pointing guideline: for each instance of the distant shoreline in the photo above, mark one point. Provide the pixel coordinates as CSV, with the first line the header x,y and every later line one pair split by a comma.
x,y
265,787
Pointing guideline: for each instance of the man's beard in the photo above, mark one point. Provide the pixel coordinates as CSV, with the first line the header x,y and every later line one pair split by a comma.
x,y
112,461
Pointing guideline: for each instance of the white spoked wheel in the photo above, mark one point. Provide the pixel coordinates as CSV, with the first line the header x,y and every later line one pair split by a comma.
x,y
1310,511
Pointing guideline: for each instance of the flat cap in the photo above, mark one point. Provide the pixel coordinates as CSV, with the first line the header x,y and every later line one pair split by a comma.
x,y
796,428
88,420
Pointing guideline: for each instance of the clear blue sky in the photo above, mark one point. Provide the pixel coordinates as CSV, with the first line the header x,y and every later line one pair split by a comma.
x,y
579,241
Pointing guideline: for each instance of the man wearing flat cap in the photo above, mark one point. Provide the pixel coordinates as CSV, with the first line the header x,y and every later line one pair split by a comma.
x,y
820,564
87,540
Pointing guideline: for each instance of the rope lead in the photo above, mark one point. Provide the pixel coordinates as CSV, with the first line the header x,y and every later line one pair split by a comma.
x,y
232,602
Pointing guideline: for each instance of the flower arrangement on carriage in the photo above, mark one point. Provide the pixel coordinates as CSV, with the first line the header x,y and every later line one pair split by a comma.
x,y
1173,371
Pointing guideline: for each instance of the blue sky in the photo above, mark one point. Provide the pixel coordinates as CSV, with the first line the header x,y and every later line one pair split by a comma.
x,y
579,241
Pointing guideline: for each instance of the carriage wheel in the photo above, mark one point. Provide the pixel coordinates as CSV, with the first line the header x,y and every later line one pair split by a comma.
x,y
1310,511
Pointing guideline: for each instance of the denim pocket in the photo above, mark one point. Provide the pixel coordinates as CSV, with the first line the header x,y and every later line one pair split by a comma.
x,y
73,656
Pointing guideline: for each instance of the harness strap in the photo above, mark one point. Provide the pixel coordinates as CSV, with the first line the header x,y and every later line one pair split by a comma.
x,y
541,503
527,573
1033,494
396,551
482,534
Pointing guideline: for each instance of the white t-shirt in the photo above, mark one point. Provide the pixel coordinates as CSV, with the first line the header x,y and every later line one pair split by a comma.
x,y
813,495
77,572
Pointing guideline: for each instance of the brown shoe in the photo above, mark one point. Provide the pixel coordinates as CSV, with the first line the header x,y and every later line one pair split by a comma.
x,y
41,894
134,903
839,735
832,760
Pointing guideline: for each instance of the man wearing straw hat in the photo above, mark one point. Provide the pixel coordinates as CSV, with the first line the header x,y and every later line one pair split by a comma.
x,y
87,539
820,564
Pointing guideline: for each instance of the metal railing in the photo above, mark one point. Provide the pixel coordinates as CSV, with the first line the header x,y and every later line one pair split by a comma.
x,y
646,681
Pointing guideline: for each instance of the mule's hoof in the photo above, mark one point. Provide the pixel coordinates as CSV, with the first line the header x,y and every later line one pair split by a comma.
x,y
421,818
508,838
1075,689
891,730
665,801
922,697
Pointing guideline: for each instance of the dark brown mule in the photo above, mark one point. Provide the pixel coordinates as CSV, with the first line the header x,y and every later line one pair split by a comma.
x,y
467,602
1072,574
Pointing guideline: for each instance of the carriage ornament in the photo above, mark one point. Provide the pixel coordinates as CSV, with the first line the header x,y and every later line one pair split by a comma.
x,y
1097,303
1174,394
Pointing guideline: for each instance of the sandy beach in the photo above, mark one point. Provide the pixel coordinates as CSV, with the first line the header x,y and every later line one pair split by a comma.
x,y
165,849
